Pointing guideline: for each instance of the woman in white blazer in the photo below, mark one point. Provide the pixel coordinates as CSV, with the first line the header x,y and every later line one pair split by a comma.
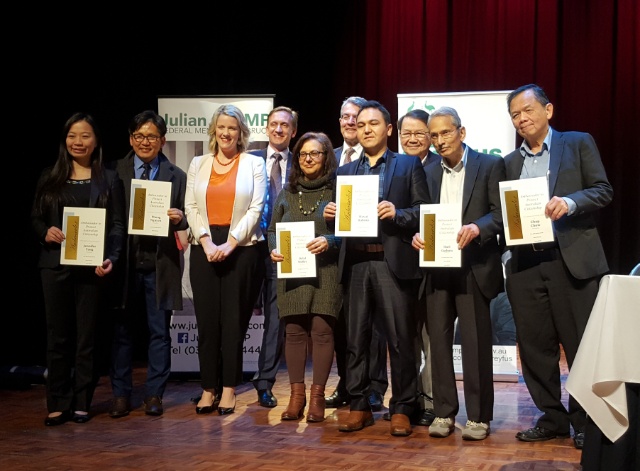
x,y
225,196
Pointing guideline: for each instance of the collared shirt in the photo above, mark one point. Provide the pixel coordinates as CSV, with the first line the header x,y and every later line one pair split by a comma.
x,y
283,163
365,168
138,167
453,180
357,148
536,165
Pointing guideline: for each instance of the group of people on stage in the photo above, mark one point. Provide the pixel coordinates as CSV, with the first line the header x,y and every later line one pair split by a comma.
x,y
370,297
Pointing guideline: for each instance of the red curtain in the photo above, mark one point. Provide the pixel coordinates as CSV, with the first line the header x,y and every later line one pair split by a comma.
x,y
584,53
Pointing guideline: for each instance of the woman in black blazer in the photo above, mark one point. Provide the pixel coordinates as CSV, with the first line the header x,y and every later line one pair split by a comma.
x,y
73,293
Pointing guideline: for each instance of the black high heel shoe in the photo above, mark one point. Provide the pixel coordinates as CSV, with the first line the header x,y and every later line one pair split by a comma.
x,y
58,420
80,418
207,409
228,410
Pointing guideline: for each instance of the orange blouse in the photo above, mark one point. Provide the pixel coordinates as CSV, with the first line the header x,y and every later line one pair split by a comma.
x,y
221,193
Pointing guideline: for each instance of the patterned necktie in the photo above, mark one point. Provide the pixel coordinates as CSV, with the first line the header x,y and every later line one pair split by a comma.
x,y
146,172
275,185
349,153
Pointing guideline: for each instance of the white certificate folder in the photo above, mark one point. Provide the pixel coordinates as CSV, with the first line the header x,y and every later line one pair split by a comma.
x,y
291,241
150,201
439,227
357,205
84,231
523,203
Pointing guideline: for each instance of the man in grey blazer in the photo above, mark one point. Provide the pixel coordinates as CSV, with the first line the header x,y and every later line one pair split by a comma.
x,y
552,286
150,272
469,179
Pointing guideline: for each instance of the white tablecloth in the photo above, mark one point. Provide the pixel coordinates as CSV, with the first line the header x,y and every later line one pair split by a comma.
x,y
609,355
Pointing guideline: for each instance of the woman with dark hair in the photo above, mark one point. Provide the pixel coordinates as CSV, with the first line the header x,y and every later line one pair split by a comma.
x,y
73,294
309,306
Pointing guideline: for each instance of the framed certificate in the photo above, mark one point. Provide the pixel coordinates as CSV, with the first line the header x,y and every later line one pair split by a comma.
x,y
357,205
439,227
523,202
291,241
150,201
84,231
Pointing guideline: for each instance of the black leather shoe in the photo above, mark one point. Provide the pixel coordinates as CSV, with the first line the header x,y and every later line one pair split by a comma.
x,y
153,405
228,410
80,418
337,399
266,398
578,440
539,434
426,417
59,420
375,401
120,407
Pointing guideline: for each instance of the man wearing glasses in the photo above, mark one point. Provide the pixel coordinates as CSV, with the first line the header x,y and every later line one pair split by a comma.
x,y
349,151
470,180
150,272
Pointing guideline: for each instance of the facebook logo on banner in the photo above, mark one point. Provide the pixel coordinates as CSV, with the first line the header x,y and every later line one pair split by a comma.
x,y
183,337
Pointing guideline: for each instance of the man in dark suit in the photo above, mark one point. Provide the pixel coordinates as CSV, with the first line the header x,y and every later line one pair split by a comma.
x,y
470,180
348,151
151,271
552,286
381,274
282,125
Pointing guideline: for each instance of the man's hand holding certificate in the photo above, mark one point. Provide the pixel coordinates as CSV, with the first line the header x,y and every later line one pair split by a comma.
x,y
357,205
150,201
523,211
439,228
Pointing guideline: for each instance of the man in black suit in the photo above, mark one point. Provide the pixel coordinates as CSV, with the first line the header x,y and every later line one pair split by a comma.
x,y
469,180
150,272
282,125
381,274
348,151
552,287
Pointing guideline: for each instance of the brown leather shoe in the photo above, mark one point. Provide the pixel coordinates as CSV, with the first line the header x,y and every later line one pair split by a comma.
x,y
357,420
400,425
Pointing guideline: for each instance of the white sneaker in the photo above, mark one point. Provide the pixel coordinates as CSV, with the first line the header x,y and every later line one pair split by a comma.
x,y
475,430
441,427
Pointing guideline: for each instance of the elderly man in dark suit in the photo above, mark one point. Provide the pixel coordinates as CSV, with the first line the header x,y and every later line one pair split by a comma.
x,y
552,286
381,274
151,271
469,179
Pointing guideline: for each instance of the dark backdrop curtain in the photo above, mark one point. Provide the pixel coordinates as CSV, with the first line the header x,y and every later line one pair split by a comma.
x,y
584,53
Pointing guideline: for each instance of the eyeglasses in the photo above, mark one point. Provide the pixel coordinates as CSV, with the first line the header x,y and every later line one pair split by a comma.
x,y
420,135
445,135
348,117
141,137
314,154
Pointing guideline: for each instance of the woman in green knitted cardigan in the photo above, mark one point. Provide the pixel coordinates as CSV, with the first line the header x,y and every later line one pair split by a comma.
x,y
309,306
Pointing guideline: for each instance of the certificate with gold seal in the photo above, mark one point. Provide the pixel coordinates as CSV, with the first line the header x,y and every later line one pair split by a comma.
x,y
357,205
291,241
84,231
150,201
439,227
523,202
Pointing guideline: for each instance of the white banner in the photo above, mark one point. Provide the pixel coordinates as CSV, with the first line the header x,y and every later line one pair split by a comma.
x,y
187,120
489,130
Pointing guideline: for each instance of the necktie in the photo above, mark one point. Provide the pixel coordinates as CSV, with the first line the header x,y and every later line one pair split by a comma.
x,y
349,153
275,185
146,172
